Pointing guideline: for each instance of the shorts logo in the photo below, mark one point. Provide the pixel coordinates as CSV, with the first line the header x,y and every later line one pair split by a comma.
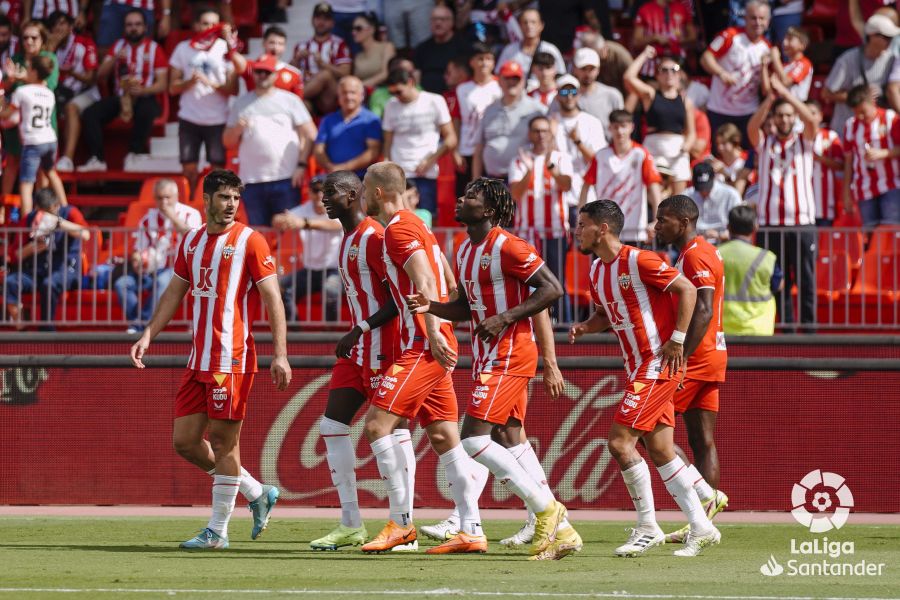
x,y
821,491
638,386
354,252
630,400
479,393
218,405
228,251
625,281
485,261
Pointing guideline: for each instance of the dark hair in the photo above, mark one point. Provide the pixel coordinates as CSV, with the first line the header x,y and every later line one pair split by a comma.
x,y
133,11
858,95
462,62
202,10
220,178
346,181
742,219
4,21
779,103
497,196
370,18
605,211
543,59
274,30
669,57
56,16
43,66
411,185
620,116
814,103
536,118
42,31
45,199
479,48
398,76
681,206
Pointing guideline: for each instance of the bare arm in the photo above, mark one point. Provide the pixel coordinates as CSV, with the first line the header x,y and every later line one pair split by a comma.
x,y
856,17
422,278
672,352
633,82
543,333
160,84
477,164
690,128
271,297
700,321
106,68
386,143
231,137
754,125
177,83
547,290
165,310
385,314
811,124
322,157
848,174
597,322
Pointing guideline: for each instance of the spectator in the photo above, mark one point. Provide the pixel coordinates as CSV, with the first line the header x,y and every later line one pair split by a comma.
x,y
320,238
40,10
411,201
417,133
32,106
593,97
542,78
204,78
323,60
735,60
345,15
504,128
828,163
350,138
287,77
9,43
624,172
273,133
871,168
113,23
869,65
139,66
715,201
669,116
851,21
273,11
523,52
370,63
730,160
151,263
434,54
456,72
407,22
786,199
614,60
472,99
752,278
76,56
565,17
380,96
50,263
664,25
798,71
786,15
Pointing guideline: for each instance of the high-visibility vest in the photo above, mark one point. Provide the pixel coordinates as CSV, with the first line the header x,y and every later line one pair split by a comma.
x,y
749,307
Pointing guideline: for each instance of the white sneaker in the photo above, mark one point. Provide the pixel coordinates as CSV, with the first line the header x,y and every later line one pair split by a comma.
x,y
442,531
133,161
641,540
65,165
522,537
694,544
410,547
93,164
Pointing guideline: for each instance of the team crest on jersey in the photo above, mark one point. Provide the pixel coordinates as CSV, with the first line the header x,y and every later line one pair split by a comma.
x,y
228,251
354,252
285,76
485,261
625,281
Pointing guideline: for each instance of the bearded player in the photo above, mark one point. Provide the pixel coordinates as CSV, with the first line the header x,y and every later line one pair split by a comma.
x,y
228,268
631,291
496,271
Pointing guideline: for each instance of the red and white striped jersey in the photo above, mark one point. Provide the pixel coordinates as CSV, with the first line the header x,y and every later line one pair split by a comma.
x,y
632,291
11,50
825,190
494,276
77,55
405,235
332,50
543,212
624,179
874,178
157,240
545,98
785,181
742,58
145,4
363,273
472,100
41,9
223,271
142,60
801,73
702,265
668,21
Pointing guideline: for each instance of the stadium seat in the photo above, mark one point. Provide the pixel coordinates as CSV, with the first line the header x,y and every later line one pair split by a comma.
x,y
875,295
578,278
849,243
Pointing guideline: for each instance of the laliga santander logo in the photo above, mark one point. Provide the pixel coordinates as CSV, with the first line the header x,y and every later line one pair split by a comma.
x,y
810,492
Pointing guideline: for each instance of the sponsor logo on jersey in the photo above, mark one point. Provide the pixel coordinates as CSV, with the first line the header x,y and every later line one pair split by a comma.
x,y
270,260
354,252
625,281
413,245
701,274
228,251
531,258
204,287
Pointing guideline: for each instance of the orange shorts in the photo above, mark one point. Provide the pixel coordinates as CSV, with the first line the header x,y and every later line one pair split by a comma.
x,y
697,394
418,385
647,403
496,398
348,374
219,395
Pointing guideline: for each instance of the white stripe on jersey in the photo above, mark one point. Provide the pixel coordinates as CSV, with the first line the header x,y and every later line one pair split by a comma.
x,y
501,302
195,311
640,292
234,278
216,258
627,325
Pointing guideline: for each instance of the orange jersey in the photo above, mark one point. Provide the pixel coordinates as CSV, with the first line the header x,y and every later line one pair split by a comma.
x,y
405,235
363,274
701,263
632,291
494,275
223,271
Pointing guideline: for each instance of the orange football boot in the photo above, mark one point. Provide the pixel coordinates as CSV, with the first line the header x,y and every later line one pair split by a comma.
x,y
461,543
392,535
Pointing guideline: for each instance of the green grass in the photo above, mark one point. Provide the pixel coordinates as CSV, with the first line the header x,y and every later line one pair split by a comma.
x,y
84,555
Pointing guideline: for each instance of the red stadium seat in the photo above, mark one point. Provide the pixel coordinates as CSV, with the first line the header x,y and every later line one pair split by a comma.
x,y
875,296
578,278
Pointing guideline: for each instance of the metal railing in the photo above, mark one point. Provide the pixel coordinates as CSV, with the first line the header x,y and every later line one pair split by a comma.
x,y
836,278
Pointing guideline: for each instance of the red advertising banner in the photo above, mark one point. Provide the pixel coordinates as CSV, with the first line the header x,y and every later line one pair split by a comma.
x,y
103,436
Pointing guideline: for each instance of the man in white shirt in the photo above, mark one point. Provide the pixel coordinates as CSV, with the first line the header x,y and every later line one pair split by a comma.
x,y
417,132
204,78
715,200
523,52
273,133
594,97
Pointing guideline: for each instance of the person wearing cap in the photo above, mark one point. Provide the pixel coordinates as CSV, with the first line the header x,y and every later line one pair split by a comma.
x,y
504,128
320,240
868,64
524,51
714,199
594,97
323,59
350,138
287,77
273,133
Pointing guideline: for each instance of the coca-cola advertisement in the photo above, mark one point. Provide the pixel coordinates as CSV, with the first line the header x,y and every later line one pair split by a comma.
x,y
109,430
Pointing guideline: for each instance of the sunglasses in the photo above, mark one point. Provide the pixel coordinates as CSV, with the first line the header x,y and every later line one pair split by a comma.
x,y
568,92
358,28
670,70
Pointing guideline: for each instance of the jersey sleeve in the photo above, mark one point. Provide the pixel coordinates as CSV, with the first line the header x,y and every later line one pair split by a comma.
x,y
373,130
590,176
402,240
90,55
160,61
388,121
699,269
76,217
895,131
516,171
442,112
640,19
801,70
649,173
193,219
654,272
835,149
299,113
181,267
176,61
259,258
595,296
721,44
453,104
342,56
520,260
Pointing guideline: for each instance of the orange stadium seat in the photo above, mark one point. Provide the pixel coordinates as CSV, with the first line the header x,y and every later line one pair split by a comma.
x,y
875,295
578,278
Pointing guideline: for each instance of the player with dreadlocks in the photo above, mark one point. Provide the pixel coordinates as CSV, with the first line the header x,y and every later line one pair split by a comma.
x,y
503,283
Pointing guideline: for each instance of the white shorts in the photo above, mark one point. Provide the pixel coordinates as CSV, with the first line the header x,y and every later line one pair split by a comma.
x,y
85,99
667,153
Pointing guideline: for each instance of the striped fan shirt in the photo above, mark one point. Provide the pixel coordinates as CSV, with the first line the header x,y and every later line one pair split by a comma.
x,y
825,182
871,179
142,60
786,181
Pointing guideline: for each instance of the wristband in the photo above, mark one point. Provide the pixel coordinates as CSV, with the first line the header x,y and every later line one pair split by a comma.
x,y
167,12
678,337
364,326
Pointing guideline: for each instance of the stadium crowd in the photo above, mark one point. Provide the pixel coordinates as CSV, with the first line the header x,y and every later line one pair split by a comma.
x,y
566,102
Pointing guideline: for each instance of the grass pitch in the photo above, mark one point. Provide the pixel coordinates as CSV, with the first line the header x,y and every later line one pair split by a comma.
x,y
138,558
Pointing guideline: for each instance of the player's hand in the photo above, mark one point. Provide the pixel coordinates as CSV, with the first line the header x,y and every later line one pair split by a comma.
x,y
683,375
553,381
672,354
526,159
281,373
138,350
576,331
442,352
345,344
418,303
491,327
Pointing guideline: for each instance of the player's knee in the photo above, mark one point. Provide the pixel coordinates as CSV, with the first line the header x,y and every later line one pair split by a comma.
x,y
221,445
184,447
620,448
375,430
701,442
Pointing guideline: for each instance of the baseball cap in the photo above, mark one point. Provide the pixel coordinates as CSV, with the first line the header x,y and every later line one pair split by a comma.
x,y
511,69
323,9
565,80
586,57
881,25
266,62
704,177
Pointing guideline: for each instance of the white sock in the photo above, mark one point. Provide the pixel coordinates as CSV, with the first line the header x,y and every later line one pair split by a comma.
x,y
703,489
454,516
403,439
250,488
479,475
458,471
524,454
224,491
392,468
342,464
510,473
637,480
675,475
